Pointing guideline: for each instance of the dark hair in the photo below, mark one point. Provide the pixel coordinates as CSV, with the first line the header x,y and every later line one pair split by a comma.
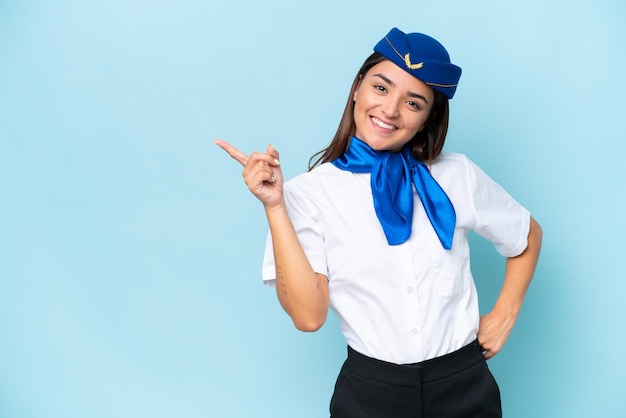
x,y
426,144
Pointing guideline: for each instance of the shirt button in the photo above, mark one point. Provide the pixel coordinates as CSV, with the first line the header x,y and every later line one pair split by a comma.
x,y
414,331
409,289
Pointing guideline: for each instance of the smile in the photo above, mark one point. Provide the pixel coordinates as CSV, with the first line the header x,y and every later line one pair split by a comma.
x,y
382,124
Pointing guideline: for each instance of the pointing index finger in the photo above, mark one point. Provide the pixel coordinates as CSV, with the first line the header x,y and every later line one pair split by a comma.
x,y
232,151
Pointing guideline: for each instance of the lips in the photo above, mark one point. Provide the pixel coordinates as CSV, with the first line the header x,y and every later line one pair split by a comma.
x,y
383,125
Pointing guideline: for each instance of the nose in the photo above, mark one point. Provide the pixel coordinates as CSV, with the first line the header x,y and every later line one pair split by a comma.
x,y
390,107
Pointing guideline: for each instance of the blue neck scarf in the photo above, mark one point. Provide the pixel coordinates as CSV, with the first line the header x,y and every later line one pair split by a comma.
x,y
392,174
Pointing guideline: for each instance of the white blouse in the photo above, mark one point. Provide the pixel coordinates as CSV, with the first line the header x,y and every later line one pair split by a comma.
x,y
409,302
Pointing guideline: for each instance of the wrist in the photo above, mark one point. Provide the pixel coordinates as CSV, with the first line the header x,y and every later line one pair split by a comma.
x,y
276,209
507,308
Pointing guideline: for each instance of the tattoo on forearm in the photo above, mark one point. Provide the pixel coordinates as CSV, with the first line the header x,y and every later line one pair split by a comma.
x,y
281,280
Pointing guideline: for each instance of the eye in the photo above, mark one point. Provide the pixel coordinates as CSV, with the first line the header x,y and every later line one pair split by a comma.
x,y
380,88
414,105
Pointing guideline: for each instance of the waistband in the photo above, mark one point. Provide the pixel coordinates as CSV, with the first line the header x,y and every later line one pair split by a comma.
x,y
415,374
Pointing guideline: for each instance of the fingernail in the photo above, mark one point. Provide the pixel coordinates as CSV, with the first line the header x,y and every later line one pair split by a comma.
x,y
276,161
274,179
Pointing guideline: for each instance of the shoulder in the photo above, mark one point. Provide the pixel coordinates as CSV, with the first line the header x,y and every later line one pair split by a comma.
x,y
458,168
319,191
451,165
451,159
322,177
314,175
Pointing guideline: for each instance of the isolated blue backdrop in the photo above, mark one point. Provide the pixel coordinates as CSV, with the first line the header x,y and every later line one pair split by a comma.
x,y
130,250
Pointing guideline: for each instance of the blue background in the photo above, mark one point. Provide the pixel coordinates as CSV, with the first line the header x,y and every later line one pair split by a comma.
x,y
130,249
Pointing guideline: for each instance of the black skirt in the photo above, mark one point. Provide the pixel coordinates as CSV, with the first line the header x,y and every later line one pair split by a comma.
x,y
456,385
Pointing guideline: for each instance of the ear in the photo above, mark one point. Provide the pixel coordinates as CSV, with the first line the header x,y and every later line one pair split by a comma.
x,y
357,87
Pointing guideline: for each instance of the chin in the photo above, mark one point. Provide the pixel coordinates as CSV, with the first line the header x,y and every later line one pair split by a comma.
x,y
381,146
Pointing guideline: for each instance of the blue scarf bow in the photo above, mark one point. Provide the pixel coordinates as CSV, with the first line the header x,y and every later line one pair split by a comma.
x,y
391,176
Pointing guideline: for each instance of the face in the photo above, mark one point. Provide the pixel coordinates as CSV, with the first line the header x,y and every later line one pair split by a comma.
x,y
390,107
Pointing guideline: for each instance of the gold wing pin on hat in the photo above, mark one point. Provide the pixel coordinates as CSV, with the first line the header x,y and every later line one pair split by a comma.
x,y
407,61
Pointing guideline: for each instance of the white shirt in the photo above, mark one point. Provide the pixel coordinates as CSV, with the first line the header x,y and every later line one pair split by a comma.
x,y
400,303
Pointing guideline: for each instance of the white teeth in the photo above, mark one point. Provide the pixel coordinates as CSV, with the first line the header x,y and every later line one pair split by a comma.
x,y
383,124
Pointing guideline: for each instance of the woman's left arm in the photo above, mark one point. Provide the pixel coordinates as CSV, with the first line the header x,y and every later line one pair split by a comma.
x,y
496,326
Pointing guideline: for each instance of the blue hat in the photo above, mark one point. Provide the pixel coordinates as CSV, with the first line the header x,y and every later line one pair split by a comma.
x,y
423,57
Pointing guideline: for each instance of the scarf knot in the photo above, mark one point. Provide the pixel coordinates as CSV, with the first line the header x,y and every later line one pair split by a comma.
x,y
393,175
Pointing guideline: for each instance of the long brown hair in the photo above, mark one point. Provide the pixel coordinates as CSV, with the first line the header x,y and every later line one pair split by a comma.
x,y
426,145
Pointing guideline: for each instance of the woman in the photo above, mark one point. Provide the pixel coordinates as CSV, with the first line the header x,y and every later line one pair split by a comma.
x,y
377,231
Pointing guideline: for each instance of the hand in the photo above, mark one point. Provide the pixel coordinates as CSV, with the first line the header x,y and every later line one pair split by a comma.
x,y
493,331
261,173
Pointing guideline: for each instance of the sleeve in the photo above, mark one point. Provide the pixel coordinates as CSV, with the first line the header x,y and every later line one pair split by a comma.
x,y
498,217
305,218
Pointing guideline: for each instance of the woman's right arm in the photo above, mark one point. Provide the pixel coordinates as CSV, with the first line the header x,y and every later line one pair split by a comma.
x,y
302,293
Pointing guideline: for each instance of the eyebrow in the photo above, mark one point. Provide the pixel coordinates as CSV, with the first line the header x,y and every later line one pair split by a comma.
x,y
392,84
